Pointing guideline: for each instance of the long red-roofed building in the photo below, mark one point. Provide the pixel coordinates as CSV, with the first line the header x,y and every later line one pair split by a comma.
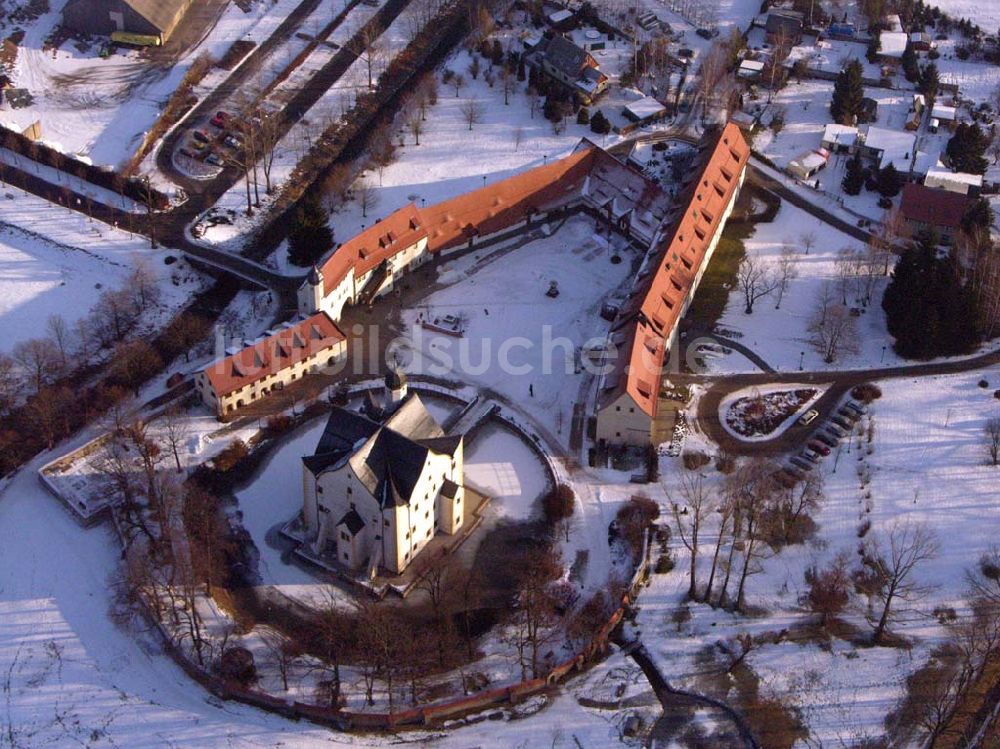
x,y
646,329
269,364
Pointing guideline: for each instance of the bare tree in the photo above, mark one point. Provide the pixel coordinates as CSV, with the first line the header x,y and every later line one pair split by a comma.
x,y
38,359
518,136
888,564
535,610
143,286
59,334
134,363
9,383
754,489
808,240
697,505
457,83
508,83
833,331
284,652
416,126
726,510
992,434
370,50
756,279
787,270
472,112
176,429
366,196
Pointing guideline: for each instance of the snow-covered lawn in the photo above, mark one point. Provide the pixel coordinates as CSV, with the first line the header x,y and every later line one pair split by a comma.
x,y
927,465
55,261
517,340
982,12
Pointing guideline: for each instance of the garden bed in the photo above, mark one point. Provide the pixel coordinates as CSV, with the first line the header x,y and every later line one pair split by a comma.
x,y
759,414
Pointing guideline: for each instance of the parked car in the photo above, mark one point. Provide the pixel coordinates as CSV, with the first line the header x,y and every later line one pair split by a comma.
x,y
819,446
197,145
809,416
811,455
827,439
794,472
707,33
845,424
220,120
232,141
201,135
185,151
801,462
858,408
214,159
836,430
851,416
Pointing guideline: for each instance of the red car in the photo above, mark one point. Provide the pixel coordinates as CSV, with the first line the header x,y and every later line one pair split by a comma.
x,y
220,120
819,447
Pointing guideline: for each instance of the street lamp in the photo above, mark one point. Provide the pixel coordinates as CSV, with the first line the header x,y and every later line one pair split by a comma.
x,y
883,355
802,356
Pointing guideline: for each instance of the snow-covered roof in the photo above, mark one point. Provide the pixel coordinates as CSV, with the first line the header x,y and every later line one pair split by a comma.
x,y
947,114
924,161
894,22
750,68
560,15
645,107
954,181
811,160
840,135
896,146
892,43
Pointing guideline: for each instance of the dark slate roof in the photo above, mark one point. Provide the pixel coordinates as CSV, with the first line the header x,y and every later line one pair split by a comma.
x,y
790,20
449,488
391,467
565,56
344,430
442,445
353,522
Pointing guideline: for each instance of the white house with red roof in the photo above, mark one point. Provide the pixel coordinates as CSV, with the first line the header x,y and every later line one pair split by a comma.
x,y
281,357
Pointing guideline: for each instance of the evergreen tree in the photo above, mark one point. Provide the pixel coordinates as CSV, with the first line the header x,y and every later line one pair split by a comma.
x,y
583,116
854,176
599,123
848,91
966,149
911,69
929,83
521,74
309,235
889,181
928,310
979,215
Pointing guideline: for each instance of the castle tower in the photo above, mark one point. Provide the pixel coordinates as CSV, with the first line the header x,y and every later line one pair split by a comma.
x,y
395,388
311,293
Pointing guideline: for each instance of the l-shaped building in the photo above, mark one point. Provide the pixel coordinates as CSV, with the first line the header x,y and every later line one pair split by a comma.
x,y
681,233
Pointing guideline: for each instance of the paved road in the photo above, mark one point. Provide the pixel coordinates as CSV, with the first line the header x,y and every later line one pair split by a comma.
x,y
840,383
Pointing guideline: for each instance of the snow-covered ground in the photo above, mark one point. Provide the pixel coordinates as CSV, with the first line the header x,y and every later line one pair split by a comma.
x,y
101,108
983,12
927,465
54,261
517,340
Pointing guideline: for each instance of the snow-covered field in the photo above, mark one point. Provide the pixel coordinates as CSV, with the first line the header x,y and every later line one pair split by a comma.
x,y
101,108
927,465
54,261
986,13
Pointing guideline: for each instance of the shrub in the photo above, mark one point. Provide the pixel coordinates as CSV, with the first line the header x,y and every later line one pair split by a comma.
x,y
237,665
864,528
664,564
996,394
226,460
984,384
866,392
632,521
583,116
279,424
695,459
725,463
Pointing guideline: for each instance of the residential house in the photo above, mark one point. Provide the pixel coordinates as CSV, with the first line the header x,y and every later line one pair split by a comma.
x,y
153,18
925,208
278,359
644,111
892,45
376,492
921,41
562,60
943,116
784,27
750,70
884,147
809,164
960,182
839,138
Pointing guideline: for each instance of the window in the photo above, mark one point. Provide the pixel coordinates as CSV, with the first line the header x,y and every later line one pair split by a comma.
x,y
345,555
386,521
428,533
344,536
427,514
349,491
618,408
631,409
319,489
353,507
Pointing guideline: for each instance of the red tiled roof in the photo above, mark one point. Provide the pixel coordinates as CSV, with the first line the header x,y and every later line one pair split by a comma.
x,y
659,295
284,349
934,207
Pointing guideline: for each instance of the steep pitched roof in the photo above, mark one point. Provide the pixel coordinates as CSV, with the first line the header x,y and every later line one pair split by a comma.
x,y
564,55
934,207
353,522
281,350
387,458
